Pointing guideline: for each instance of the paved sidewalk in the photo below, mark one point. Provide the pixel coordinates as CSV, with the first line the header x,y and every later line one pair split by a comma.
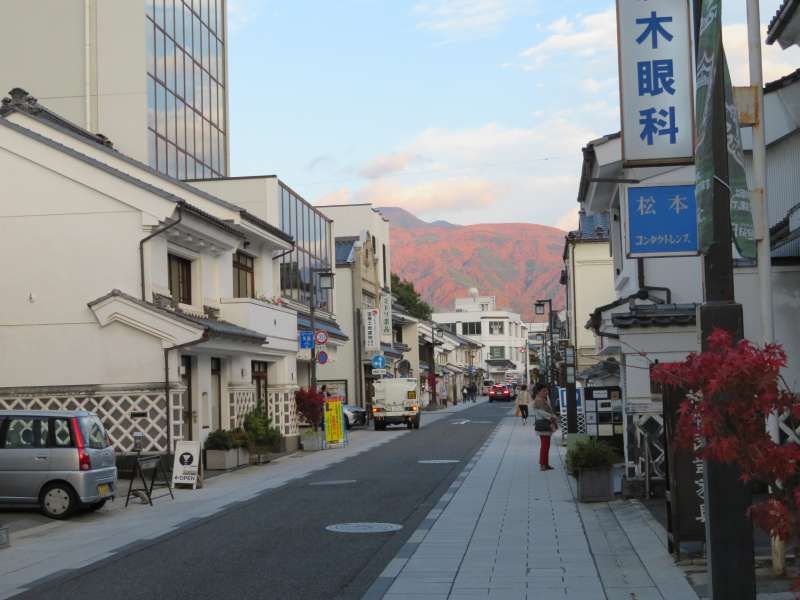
x,y
58,546
507,530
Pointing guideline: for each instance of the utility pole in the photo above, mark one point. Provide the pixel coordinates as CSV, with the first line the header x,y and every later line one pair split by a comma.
x,y
729,533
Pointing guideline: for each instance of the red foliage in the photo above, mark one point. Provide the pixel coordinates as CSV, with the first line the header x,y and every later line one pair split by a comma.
x,y
732,390
310,404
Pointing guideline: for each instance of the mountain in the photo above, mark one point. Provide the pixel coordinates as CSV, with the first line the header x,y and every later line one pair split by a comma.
x,y
518,263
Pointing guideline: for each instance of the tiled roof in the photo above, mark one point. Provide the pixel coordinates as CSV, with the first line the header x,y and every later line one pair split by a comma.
x,y
656,315
498,362
212,326
773,86
606,368
782,17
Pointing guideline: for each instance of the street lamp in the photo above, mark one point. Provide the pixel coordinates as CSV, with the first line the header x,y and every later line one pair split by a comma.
x,y
325,278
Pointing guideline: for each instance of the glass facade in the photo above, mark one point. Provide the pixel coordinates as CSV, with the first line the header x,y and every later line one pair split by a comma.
x,y
311,231
186,87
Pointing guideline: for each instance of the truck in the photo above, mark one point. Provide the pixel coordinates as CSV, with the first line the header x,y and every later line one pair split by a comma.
x,y
396,401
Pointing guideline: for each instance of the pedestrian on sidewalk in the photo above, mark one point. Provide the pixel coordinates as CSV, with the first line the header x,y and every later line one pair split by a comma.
x,y
523,399
464,393
473,392
544,422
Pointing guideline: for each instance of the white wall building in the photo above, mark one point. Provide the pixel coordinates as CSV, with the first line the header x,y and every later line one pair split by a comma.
x,y
130,293
503,334
149,75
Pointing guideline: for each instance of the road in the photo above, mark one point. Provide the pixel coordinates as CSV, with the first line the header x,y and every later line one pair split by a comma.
x,y
276,545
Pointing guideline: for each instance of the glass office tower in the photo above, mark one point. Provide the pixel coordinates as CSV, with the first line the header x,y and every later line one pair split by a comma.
x,y
186,101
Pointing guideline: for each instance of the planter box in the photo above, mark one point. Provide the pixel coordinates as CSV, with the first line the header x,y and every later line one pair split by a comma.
x,y
312,441
259,458
595,485
225,460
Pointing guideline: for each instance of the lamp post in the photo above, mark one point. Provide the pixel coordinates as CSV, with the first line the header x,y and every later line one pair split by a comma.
x,y
325,283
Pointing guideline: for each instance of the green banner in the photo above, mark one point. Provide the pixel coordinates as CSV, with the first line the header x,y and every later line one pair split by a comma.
x,y
709,58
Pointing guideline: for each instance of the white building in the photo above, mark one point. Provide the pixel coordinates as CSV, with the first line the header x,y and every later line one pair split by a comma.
x,y
653,317
502,334
132,294
149,75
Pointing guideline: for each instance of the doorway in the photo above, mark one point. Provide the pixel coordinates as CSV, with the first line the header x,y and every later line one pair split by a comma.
x,y
216,394
186,401
259,369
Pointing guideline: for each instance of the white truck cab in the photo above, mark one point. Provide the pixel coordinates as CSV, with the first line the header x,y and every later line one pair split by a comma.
x,y
396,401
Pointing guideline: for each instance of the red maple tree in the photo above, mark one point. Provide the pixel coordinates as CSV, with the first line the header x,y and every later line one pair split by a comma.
x,y
310,404
732,389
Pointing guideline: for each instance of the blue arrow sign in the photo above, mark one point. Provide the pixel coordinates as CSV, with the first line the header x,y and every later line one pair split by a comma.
x,y
379,361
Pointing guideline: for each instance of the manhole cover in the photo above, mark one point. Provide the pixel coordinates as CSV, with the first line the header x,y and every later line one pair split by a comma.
x,y
437,462
334,482
364,527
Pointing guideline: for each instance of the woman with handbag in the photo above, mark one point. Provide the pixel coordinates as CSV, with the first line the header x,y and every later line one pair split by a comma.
x,y
522,404
544,422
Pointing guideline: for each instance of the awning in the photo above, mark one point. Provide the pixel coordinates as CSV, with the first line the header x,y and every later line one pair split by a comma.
x,y
497,364
304,324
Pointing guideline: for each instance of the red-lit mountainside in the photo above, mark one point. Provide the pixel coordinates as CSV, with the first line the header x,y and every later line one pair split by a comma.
x,y
516,262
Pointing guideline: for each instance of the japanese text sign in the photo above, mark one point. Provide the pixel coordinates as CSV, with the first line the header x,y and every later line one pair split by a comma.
x,y
372,339
655,72
386,318
662,220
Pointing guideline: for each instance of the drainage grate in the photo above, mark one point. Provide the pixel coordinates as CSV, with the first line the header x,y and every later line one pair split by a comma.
x,y
364,527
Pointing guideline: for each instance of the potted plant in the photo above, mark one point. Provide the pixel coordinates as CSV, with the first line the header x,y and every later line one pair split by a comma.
x,y
263,438
241,442
592,460
221,451
310,404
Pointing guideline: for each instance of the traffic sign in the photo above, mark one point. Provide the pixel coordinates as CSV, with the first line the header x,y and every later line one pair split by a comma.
x,y
321,337
379,371
322,357
306,339
662,220
378,361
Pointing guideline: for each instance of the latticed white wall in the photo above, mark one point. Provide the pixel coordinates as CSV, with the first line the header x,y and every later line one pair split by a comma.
x,y
114,407
282,410
241,401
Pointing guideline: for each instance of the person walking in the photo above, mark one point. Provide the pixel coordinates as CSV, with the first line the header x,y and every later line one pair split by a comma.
x,y
522,403
464,393
473,392
544,422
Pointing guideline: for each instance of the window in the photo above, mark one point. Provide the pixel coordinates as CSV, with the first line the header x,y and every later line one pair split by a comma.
x,y
484,307
94,433
20,433
496,328
180,279
62,433
243,276
451,327
497,352
471,328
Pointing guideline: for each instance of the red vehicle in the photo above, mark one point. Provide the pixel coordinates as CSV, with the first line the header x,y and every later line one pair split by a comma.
x,y
500,392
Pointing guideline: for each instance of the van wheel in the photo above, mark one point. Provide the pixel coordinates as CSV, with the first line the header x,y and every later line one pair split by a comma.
x,y
58,500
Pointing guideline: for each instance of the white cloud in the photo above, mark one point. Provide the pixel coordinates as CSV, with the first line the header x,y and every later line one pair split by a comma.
x,y
776,62
462,16
460,193
586,37
241,13
389,164
569,220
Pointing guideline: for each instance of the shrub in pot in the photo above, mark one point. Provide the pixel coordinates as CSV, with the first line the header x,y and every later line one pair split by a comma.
x,y
263,438
241,441
592,460
310,405
221,451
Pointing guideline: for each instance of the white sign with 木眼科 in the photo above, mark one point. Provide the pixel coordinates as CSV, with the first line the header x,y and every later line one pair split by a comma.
x,y
656,81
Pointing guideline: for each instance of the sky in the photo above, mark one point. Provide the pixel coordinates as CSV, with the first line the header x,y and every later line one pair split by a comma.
x,y
472,111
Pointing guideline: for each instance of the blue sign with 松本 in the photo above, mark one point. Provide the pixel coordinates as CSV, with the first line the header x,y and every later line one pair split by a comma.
x,y
662,220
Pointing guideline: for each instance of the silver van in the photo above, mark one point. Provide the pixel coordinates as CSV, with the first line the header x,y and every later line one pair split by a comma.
x,y
61,460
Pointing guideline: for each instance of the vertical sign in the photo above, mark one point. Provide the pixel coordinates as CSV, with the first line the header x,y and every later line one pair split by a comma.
x,y
334,421
655,75
386,318
661,220
372,339
711,64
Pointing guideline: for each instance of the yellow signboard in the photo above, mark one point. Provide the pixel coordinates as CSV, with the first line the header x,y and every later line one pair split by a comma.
x,y
334,421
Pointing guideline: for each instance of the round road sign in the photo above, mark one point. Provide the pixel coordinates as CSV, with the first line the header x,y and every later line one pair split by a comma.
x,y
321,337
322,357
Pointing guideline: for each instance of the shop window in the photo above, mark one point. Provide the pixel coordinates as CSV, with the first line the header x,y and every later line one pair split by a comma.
x,y
180,279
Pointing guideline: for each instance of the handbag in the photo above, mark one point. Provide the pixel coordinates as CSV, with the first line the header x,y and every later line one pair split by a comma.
x,y
542,425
